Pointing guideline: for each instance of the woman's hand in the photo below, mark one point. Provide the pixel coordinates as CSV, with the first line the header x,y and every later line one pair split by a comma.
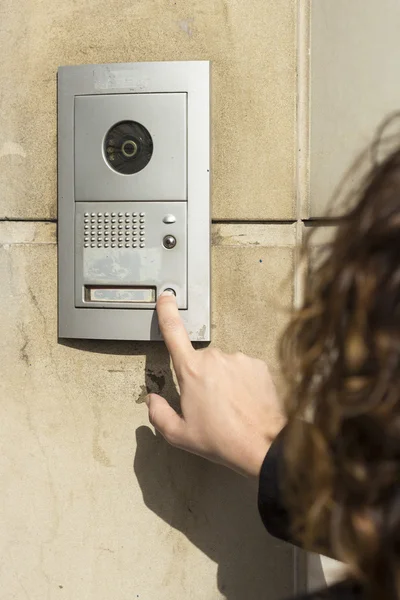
x,y
230,411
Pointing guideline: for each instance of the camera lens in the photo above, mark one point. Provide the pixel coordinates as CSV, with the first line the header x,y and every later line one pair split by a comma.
x,y
128,147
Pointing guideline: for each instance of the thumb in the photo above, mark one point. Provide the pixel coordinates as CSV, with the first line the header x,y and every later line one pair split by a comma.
x,y
163,417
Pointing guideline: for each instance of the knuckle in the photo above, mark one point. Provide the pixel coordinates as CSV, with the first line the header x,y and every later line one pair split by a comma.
x,y
214,353
171,433
190,367
152,414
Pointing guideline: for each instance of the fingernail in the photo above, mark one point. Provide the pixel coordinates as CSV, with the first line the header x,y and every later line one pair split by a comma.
x,y
168,292
147,399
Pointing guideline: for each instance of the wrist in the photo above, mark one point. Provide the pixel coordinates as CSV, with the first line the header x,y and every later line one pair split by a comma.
x,y
261,449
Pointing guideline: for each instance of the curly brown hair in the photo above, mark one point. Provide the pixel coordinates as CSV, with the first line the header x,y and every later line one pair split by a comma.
x,y
342,355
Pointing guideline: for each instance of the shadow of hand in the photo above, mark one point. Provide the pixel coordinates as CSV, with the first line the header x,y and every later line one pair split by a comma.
x,y
216,510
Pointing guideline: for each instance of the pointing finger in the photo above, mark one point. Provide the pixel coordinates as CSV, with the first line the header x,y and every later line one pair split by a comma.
x,y
173,330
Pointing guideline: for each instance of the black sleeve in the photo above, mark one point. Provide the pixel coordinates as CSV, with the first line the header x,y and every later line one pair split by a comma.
x,y
271,505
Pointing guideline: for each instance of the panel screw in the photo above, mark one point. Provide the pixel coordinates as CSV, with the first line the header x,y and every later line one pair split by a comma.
x,y
169,242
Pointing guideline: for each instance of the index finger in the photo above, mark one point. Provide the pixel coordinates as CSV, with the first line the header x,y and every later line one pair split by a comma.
x,y
173,330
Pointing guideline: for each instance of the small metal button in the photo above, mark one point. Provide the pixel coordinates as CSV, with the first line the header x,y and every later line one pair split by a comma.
x,y
99,245
142,239
134,221
134,245
134,214
93,214
169,242
93,245
142,214
112,245
169,219
141,220
120,245
99,214
142,245
86,226
86,245
86,220
127,245
105,245
120,214
106,214
142,226
127,214
170,290
113,214
113,220
120,226
134,226
86,214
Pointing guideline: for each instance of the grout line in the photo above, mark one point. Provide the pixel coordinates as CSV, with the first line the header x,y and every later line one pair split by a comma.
x,y
20,220
303,108
300,571
303,142
311,222
213,222
253,222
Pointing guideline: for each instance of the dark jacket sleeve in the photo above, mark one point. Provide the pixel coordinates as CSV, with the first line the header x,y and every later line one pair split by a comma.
x,y
271,505
271,502
276,518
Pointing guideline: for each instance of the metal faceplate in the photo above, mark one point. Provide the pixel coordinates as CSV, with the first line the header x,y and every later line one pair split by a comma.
x,y
133,198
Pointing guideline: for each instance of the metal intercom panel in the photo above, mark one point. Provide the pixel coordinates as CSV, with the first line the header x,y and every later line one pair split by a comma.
x,y
133,198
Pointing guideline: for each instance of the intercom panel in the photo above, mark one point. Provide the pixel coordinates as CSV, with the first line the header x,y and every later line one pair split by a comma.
x,y
133,198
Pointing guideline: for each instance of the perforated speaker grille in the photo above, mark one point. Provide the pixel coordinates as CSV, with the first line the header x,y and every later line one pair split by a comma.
x,y
114,230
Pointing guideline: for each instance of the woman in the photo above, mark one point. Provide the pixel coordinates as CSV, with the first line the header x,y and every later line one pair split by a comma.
x,y
331,485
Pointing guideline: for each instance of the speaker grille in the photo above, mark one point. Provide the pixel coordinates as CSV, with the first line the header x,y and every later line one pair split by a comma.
x,y
114,230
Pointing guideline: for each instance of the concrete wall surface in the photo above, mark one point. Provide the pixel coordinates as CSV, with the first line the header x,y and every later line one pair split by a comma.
x,y
93,505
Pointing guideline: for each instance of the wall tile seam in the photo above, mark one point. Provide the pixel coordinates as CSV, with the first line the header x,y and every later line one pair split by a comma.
x,y
27,220
303,109
302,177
276,221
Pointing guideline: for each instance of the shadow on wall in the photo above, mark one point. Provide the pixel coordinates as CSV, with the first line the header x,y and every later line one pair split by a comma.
x,y
212,506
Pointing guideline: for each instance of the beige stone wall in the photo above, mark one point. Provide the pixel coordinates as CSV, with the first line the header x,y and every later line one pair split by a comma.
x,y
93,504
354,87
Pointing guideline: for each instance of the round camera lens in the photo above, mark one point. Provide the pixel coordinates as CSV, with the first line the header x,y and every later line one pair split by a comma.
x,y
128,147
